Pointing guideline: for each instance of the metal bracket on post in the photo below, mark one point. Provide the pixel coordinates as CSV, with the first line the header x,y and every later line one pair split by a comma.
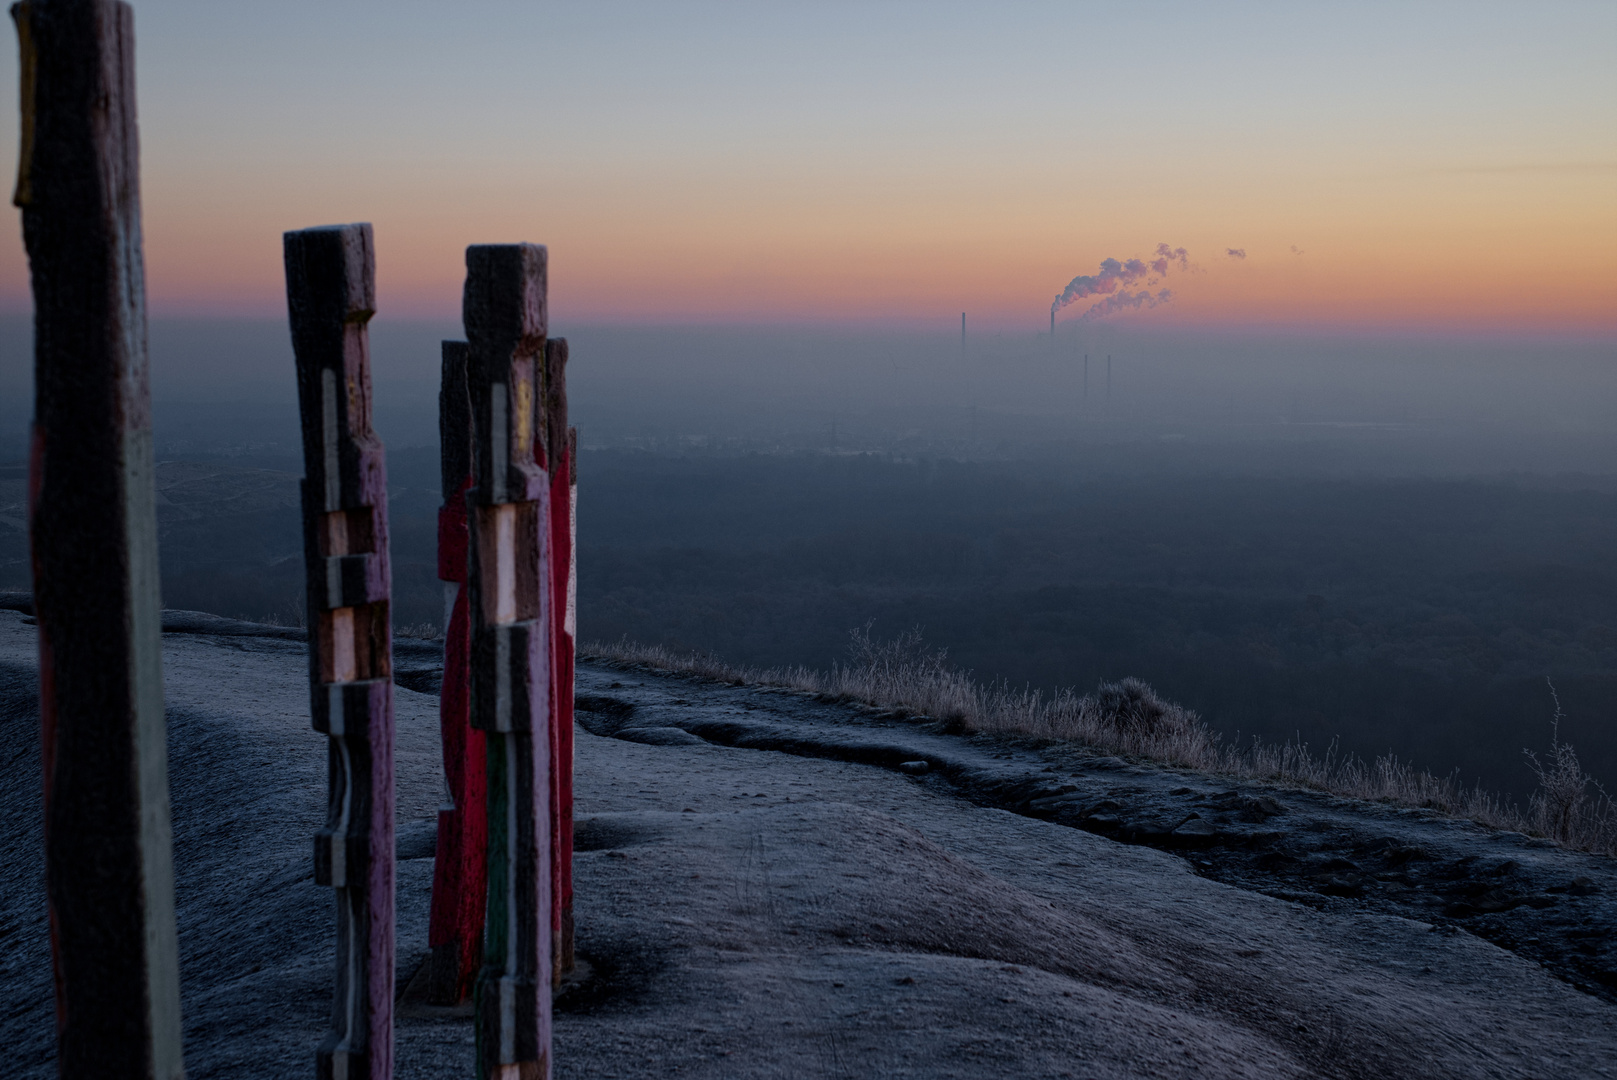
x,y
509,585
93,530
331,296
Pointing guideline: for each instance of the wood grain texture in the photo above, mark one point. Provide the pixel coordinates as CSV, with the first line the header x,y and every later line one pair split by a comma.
x,y
108,861
331,296
562,491
570,624
512,659
460,881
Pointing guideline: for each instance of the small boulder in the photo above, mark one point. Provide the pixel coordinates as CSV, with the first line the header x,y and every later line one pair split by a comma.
x,y
660,736
1261,808
1195,833
1339,885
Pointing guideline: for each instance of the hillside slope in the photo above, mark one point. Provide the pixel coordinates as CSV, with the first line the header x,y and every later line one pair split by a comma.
x,y
751,912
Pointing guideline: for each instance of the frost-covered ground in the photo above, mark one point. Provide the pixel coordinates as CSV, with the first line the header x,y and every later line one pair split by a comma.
x,y
752,912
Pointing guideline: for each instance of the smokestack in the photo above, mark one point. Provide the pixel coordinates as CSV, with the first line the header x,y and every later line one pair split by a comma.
x,y
1086,374
1052,322
1108,374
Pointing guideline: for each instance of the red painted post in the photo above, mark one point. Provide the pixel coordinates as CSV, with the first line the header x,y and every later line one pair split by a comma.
x,y
331,296
561,725
509,579
459,882
92,522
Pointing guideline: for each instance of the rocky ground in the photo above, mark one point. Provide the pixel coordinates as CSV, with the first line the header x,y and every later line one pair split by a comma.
x,y
770,885
1554,907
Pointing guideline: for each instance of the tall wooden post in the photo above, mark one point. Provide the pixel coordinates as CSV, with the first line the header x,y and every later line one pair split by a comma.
x,y
506,323
459,882
562,491
92,513
331,296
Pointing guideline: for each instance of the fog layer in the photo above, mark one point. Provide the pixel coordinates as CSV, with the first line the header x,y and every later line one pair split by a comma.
x,y
1144,400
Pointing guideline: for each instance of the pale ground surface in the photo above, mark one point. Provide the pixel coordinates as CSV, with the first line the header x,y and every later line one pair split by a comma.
x,y
755,914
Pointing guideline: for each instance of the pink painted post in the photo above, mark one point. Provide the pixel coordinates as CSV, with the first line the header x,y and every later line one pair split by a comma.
x,y
562,491
570,625
331,296
460,881
509,579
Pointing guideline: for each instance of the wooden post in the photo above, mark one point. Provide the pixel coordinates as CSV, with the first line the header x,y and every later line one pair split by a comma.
x,y
562,491
92,514
570,622
509,578
331,296
460,881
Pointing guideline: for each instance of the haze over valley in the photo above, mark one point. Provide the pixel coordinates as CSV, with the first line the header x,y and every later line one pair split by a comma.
x,y
1390,542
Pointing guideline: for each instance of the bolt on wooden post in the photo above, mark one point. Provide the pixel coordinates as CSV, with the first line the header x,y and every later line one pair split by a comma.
x,y
459,883
509,578
93,528
331,296
562,493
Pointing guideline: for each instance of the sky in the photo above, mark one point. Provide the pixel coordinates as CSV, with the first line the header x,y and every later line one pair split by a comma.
x,y
1427,167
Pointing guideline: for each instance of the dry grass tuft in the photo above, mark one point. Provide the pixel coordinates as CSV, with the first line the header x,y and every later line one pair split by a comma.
x,y
1129,718
1563,808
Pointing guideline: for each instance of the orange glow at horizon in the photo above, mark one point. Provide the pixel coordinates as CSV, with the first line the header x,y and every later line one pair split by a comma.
x,y
1545,272
1551,276
804,173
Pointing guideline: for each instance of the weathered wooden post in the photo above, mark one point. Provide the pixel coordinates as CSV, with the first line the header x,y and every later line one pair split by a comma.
x,y
459,882
562,491
92,513
509,578
331,296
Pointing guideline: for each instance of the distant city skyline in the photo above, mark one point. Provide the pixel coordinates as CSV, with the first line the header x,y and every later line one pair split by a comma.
x,y
1444,168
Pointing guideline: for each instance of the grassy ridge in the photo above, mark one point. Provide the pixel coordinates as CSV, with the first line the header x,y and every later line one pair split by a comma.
x,y
1129,718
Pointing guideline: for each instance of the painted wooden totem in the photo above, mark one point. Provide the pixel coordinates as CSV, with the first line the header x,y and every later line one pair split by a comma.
x,y
509,577
459,882
331,295
561,450
93,530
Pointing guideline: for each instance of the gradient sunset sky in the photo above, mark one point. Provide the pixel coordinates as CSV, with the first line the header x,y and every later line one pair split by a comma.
x,y
1433,167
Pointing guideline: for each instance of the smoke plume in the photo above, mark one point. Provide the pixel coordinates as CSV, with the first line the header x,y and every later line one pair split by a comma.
x,y
1235,253
1125,301
1114,274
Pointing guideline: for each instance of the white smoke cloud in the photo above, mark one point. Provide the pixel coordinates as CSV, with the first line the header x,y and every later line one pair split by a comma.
x,y
1126,301
1116,273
